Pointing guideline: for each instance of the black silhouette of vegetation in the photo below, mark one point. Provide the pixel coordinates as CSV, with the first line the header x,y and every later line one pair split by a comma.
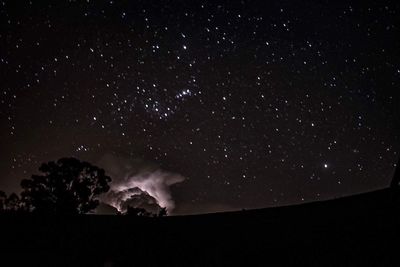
x,y
12,203
162,212
141,212
67,186
137,212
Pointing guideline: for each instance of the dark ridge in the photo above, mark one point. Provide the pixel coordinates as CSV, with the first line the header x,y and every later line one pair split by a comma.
x,y
356,230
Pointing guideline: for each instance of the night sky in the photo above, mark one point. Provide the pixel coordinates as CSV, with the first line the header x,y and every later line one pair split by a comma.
x,y
255,103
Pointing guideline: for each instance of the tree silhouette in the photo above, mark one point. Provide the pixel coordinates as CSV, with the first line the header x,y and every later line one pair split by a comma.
x,y
137,212
68,186
11,203
162,212
141,212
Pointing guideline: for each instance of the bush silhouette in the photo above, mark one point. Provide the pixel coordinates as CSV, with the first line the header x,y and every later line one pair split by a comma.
x,y
141,212
10,204
162,212
13,203
137,212
68,186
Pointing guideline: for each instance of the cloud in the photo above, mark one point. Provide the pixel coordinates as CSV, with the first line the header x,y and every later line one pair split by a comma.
x,y
138,183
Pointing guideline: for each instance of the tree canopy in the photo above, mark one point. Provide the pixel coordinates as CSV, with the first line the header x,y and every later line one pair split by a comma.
x,y
67,186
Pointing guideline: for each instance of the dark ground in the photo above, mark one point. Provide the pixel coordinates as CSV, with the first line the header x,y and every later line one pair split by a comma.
x,y
361,230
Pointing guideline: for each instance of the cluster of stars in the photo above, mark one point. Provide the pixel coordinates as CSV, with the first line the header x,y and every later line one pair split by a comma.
x,y
255,105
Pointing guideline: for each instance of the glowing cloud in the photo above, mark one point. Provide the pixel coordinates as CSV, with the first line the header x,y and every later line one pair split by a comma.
x,y
138,184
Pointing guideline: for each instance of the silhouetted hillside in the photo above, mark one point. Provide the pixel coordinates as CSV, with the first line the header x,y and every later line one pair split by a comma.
x,y
353,230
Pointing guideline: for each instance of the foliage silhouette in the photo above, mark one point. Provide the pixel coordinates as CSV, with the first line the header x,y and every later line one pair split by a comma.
x,y
10,204
68,186
141,212
162,212
13,203
137,212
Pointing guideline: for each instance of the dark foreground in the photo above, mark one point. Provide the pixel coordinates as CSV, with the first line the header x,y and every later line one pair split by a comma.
x,y
359,230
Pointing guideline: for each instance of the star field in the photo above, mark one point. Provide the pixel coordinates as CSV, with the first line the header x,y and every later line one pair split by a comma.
x,y
256,104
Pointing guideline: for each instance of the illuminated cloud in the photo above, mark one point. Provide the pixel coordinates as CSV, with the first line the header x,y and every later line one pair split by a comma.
x,y
138,184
